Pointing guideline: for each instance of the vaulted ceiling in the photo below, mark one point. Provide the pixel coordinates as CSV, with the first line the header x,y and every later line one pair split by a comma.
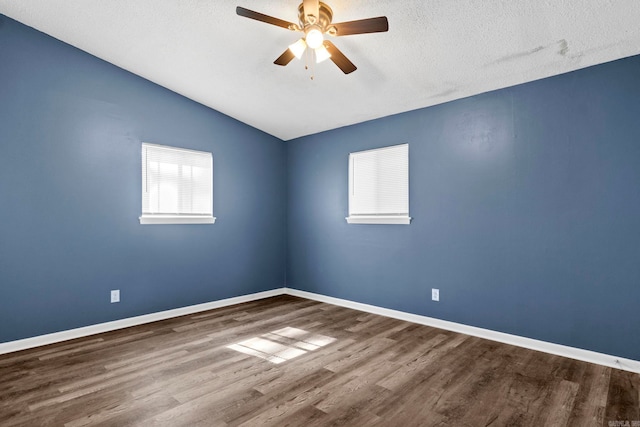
x,y
435,51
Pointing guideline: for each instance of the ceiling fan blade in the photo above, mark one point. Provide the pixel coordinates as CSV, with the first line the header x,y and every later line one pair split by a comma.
x,y
339,59
362,26
264,18
311,7
285,58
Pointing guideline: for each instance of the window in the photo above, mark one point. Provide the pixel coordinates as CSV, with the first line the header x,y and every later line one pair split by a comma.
x,y
379,186
177,186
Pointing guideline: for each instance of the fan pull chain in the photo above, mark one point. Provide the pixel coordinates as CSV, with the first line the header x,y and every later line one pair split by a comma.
x,y
306,59
309,58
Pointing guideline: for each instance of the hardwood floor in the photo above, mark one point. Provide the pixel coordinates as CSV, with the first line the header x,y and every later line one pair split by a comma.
x,y
309,364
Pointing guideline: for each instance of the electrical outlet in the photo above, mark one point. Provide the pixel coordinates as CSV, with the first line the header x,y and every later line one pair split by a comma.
x,y
435,294
115,295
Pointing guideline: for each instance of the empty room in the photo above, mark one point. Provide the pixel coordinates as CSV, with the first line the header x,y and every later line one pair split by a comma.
x,y
341,213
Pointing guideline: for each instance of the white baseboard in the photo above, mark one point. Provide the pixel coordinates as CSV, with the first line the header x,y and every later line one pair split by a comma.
x,y
11,346
557,349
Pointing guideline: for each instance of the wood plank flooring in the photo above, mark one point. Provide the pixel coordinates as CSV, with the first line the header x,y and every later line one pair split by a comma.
x,y
287,361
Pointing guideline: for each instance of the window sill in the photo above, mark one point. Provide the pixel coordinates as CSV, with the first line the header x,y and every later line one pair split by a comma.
x,y
378,219
176,219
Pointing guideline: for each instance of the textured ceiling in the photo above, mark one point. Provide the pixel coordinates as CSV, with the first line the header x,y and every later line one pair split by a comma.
x,y
435,51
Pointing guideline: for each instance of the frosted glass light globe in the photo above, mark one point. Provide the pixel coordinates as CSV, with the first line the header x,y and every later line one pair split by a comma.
x,y
314,38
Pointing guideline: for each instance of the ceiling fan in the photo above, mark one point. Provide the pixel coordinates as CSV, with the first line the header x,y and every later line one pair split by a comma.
x,y
315,21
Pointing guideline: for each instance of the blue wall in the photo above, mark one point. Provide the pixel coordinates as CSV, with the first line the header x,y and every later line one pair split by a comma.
x,y
71,127
526,207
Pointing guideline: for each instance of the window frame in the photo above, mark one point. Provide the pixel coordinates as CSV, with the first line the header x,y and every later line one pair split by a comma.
x,y
177,217
401,218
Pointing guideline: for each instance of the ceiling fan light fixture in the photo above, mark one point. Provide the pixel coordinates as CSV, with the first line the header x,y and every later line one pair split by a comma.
x,y
314,38
322,54
298,48
315,19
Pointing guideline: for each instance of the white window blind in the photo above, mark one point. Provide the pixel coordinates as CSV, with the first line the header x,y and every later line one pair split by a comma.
x,y
379,186
177,186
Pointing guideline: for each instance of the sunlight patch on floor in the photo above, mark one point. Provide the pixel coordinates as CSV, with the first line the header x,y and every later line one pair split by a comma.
x,y
282,345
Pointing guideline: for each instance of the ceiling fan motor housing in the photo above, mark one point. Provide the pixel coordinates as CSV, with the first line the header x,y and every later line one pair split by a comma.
x,y
322,22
